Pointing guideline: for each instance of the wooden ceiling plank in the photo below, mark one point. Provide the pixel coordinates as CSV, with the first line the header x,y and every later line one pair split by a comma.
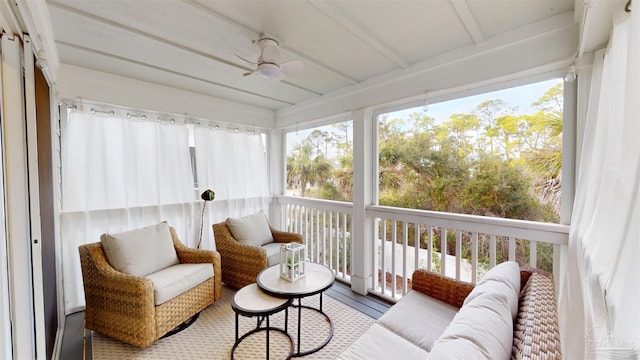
x,y
164,41
464,12
255,33
349,24
163,69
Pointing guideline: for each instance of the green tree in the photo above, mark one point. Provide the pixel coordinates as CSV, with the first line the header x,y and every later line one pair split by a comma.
x,y
304,168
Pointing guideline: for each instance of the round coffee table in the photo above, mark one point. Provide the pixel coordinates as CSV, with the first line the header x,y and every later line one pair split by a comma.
x,y
316,280
250,301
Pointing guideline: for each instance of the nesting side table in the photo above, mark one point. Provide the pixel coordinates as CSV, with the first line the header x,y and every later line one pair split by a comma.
x,y
251,301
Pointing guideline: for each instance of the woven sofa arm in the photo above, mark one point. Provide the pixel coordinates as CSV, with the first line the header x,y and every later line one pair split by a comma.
x,y
536,333
101,278
113,296
439,287
285,237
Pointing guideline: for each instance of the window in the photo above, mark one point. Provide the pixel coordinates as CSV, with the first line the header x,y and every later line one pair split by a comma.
x,y
494,154
320,162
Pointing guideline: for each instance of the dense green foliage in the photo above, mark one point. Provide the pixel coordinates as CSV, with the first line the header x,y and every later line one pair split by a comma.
x,y
490,162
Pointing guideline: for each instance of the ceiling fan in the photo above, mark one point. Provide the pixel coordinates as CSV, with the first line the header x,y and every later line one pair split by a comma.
x,y
269,64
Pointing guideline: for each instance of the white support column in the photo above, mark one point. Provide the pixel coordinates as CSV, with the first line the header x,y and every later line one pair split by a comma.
x,y
277,175
364,155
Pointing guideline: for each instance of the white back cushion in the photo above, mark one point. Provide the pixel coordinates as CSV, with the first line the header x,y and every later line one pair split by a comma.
x,y
251,229
482,329
502,279
142,251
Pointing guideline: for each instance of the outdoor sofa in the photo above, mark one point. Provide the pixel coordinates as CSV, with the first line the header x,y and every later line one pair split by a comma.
x,y
510,313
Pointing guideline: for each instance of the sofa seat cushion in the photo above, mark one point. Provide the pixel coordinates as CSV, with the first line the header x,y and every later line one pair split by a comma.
x,y
273,253
419,318
379,342
251,230
482,329
142,251
174,280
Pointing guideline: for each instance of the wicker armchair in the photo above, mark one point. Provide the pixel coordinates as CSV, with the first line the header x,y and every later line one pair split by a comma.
x,y
122,306
241,263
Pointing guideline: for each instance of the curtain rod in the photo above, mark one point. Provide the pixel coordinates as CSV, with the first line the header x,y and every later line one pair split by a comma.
x,y
139,114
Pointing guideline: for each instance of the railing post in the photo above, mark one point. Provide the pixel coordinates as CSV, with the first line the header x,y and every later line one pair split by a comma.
x,y
364,182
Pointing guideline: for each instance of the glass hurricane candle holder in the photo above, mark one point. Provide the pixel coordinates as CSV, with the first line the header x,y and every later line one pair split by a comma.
x,y
292,261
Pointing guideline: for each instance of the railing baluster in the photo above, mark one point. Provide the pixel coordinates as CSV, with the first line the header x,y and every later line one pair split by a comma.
x,y
533,254
376,260
512,248
394,240
416,245
405,248
492,251
331,214
383,257
474,257
429,247
458,253
443,251
344,245
317,243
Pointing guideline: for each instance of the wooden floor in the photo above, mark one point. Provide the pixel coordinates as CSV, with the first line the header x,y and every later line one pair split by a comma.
x,y
74,346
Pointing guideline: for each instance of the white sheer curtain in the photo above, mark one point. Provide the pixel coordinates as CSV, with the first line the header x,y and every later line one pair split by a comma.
x,y
120,174
599,295
234,165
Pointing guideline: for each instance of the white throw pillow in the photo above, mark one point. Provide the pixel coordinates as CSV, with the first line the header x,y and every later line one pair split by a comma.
x,y
142,251
503,279
251,229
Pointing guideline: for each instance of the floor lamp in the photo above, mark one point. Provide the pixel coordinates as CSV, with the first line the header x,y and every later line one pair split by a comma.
x,y
207,196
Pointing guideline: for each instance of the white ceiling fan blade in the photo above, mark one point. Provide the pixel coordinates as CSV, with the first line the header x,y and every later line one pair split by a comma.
x,y
292,68
271,54
245,60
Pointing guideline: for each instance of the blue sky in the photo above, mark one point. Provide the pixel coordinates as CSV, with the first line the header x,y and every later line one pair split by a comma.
x,y
521,97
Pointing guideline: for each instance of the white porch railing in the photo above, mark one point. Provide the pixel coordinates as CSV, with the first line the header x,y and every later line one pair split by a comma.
x,y
326,229
456,245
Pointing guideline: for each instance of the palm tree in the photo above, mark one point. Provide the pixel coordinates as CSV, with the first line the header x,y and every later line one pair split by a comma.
x,y
546,163
304,168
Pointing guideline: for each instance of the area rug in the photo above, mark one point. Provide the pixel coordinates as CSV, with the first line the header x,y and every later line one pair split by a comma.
x,y
212,335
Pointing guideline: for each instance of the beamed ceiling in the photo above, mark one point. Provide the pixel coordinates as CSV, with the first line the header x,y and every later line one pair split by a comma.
x,y
348,47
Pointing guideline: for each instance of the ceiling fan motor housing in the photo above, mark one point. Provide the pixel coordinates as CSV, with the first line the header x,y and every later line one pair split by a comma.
x,y
268,70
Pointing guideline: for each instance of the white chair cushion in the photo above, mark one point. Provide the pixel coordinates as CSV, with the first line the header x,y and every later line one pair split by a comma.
x,y
370,347
175,280
273,253
482,329
142,251
251,229
419,318
503,279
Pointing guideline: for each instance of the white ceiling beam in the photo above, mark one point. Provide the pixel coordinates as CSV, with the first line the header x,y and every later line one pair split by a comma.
x,y
329,9
464,13
169,71
255,33
163,41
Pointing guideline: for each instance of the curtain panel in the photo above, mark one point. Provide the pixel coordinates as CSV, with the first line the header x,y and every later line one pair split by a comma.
x,y
121,173
598,300
234,165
